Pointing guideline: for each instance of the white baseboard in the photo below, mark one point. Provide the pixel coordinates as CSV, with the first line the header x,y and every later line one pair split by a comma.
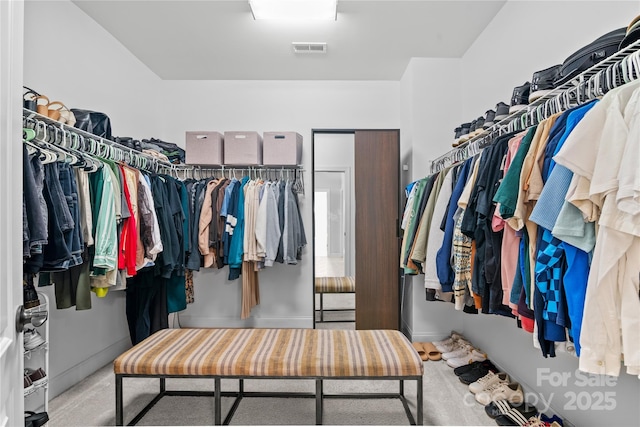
x,y
187,321
79,372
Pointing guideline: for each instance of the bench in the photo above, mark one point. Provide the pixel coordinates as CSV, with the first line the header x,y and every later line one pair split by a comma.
x,y
271,354
333,285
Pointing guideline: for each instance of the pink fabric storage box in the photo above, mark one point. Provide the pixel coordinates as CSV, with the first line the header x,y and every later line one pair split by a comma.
x,y
282,148
204,148
242,148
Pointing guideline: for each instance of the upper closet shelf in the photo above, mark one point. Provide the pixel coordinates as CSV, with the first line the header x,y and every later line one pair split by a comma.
x,y
618,69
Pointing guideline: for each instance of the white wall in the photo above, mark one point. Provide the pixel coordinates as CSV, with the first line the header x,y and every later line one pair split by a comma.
x,y
430,93
527,36
524,37
286,291
70,58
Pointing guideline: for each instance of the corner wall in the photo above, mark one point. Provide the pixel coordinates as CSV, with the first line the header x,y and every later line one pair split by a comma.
x,y
70,58
430,110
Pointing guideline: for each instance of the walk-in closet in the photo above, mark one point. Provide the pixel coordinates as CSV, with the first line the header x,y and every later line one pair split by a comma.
x,y
244,220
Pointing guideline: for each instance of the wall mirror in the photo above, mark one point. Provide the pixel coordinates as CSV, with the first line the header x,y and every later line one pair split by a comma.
x,y
334,241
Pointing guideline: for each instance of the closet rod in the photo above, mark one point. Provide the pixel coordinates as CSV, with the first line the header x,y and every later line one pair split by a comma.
x,y
153,164
620,68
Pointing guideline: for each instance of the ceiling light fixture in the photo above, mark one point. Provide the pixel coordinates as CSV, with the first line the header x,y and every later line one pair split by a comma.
x,y
294,9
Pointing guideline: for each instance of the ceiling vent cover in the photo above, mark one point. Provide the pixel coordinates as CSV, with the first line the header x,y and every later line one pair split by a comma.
x,y
305,47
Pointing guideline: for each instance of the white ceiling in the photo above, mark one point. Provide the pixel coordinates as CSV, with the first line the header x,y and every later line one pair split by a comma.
x,y
220,40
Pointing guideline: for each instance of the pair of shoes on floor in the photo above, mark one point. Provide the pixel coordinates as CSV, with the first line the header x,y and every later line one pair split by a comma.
x,y
427,351
463,353
488,381
507,414
472,372
510,391
32,339
450,343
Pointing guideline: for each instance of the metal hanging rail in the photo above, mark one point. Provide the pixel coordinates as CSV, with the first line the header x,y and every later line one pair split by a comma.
x,y
618,69
69,137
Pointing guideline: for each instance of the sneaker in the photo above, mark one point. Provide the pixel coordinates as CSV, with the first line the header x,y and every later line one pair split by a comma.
x,y
502,407
489,118
459,352
520,97
472,356
464,133
449,340
487,381
542,82
502,111
29,294
37,377
457,135
463,370
501,391
453,345
479,126
28,385
514,417
32,339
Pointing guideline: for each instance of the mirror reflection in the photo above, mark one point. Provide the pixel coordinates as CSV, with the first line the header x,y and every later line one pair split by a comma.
x,y
333,231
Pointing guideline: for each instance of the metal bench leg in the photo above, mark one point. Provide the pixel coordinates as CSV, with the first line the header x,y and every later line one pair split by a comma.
x,y
419,402
321,309
319,395
163,385
217,403
119,412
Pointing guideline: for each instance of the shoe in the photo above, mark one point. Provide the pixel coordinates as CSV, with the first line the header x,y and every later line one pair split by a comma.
x,y
489,118
502,391
464,132
520,97
453,345
465,369
448,341
457,135
502,111
514,417
501,407
459,348
479,125
488,381
35,419
29,294
472,356
28,385
542,82
32,339
37,377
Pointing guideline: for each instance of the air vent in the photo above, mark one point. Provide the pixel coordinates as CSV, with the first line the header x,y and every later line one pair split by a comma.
x,y
300,47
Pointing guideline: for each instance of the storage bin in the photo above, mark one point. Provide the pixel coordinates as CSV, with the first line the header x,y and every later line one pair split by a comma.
x,y
204,148
242,148
282,148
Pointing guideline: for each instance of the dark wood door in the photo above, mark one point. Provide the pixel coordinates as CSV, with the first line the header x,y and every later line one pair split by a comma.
x,y
377,195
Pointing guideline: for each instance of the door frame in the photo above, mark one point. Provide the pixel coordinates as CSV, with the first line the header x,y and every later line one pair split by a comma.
x,y
11,345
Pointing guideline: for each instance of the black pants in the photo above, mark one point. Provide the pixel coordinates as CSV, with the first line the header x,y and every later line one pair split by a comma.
x,y
146,305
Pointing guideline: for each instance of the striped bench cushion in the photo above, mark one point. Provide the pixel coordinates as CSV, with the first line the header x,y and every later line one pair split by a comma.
x,y
272,353
335,284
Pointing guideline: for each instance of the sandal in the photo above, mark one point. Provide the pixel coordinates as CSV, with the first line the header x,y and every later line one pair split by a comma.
x,y
421,352
42,109
431,351
54,109
30,99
